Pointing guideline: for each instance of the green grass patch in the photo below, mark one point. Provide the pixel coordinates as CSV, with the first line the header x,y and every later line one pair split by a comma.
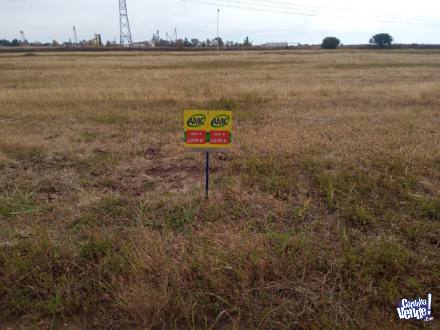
x,y
428,207
247,106
20,152
111,206
272,175
148,184
181,215
382,264
222,104
98,163
47,279
17,203
109,119
175,214
86,137
383,185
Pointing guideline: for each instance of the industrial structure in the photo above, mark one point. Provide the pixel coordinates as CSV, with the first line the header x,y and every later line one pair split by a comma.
x,y
124,25
23,38
75,38
97,40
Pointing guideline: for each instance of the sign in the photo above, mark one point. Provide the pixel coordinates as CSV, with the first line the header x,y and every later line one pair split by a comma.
x,y
207,131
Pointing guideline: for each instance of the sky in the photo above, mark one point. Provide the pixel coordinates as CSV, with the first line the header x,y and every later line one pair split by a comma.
x,y
292,21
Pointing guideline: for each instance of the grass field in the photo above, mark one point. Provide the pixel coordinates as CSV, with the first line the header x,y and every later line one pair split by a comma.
x,y
324,215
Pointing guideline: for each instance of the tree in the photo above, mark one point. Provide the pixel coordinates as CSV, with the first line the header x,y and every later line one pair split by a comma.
x,y
382,40
15,43
219,41
186,43
4,42
330,43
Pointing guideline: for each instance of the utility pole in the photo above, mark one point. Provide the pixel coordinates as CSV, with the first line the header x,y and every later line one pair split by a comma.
x,y
124,24
74,35
218,18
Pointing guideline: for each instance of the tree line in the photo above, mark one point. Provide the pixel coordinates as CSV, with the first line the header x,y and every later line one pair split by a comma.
x,y
12,43
155,41
381,40
195,42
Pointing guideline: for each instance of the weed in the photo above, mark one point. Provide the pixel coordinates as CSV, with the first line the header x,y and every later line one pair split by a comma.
x,y
180,216
95,249
83,222
360,216
142,210
299,212
106,183
111,206
330,196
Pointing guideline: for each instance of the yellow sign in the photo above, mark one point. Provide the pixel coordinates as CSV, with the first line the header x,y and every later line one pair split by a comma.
x,y
207,130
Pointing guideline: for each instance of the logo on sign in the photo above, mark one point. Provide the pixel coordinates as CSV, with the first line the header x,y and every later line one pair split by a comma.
x,y
419,309
196,120
220,121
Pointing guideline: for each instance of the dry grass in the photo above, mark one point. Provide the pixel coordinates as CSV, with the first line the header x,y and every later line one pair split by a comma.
x,y
324,215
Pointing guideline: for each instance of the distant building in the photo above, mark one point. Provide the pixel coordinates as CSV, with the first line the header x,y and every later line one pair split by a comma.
x,y
141,44
275,45
96,41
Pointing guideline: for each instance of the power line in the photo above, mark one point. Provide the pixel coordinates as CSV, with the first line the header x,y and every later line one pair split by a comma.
x,y
231,5
291,9
326,10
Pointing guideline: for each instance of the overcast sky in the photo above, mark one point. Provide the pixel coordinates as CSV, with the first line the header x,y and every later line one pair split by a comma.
x,y
303,21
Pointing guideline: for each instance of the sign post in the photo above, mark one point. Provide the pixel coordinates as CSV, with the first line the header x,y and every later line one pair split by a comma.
x,y
207,175
207,131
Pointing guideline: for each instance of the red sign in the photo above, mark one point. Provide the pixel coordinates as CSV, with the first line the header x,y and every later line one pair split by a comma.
x,y
196,137
219,137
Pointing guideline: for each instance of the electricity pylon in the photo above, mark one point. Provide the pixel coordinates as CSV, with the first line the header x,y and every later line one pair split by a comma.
x,y
124,24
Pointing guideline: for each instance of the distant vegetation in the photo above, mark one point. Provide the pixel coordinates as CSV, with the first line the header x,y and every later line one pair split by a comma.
x,y
382,40
156,41
7,43
330,43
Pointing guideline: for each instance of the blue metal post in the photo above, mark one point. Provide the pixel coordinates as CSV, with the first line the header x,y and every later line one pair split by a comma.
x,y
207,174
